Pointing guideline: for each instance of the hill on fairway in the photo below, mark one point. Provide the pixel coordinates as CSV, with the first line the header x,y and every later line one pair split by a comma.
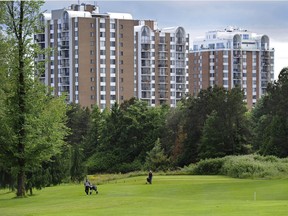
x,y
168,195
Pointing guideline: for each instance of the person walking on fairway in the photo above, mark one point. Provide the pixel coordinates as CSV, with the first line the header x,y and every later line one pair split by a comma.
x,y
149,179
87,186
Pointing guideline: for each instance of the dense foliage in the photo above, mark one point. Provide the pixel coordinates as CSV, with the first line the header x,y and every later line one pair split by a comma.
x,y
244,166
32,122
270,119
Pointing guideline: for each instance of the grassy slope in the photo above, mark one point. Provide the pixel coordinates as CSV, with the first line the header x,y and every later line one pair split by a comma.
x,y
168,195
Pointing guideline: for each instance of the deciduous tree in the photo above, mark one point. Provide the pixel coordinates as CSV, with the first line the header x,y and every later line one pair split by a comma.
x,y
33,121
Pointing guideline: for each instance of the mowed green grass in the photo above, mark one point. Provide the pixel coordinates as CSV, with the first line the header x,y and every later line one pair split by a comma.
x,y
168,195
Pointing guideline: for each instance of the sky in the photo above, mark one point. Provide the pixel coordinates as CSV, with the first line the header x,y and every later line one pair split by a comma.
x,y
197,17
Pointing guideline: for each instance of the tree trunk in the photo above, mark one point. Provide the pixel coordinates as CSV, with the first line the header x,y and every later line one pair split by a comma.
x,y
21,183
21,104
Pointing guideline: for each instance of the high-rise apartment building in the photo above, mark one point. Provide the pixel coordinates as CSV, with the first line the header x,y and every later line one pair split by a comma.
x,y
229,58
103,58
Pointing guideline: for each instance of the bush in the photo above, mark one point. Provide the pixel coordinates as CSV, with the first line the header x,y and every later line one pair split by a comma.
x,y
246,166
243,167
209,166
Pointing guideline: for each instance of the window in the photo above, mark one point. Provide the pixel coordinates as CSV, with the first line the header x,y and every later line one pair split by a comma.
x,y
102,43
112,25
112,34
91,34
102,52
112,70
102,25
245,36
112,53
112,43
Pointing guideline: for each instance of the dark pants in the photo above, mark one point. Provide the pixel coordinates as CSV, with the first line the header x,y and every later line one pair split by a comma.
x,y
87,189
149,180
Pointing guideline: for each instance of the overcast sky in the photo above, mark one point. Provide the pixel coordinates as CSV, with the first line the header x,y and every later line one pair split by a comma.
x,y
198,17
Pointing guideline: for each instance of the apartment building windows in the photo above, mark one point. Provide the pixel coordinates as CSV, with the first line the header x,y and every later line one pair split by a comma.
x,y
112,53
102,52
112,25
102,43
112,34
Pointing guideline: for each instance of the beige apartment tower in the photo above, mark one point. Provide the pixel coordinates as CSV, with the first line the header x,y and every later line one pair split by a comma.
x,y
103,58
229,58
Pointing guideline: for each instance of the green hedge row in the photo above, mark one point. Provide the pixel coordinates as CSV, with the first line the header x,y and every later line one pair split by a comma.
x,y
246,166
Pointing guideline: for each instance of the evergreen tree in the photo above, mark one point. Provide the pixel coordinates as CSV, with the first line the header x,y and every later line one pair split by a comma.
x,y
270,119
156,158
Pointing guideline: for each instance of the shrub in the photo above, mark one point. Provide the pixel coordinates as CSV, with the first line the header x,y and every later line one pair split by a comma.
x,y
209,166
245,166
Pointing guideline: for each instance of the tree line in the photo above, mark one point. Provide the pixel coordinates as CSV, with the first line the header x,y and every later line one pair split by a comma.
x,y
45,141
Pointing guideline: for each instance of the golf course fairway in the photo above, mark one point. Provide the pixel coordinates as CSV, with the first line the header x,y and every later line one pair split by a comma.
x,y
168,195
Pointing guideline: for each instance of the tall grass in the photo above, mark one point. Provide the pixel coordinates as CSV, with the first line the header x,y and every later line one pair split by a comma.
x,y
246,166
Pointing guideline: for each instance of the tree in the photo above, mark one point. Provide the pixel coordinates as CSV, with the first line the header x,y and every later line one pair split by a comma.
x,y
79,121
33,121
92,139
270,118
127,133
156,159
225,130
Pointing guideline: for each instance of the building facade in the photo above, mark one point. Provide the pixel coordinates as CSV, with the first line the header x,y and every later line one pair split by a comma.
x,y
102,58
232,57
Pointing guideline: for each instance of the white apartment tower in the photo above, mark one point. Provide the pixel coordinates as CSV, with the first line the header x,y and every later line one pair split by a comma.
x,y
229,58
102,58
